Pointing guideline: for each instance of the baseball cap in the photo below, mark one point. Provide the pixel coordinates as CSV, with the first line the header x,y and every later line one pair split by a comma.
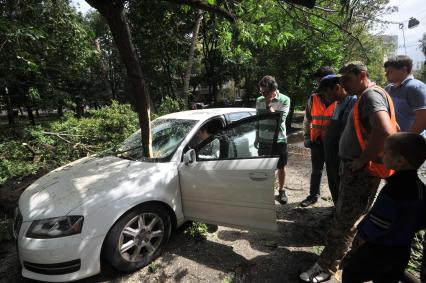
x,y
328,81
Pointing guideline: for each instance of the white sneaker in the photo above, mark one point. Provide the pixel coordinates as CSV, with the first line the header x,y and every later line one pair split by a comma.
x,y
315,274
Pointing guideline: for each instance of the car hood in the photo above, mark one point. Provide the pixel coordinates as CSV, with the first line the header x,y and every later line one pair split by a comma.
x,y
65,188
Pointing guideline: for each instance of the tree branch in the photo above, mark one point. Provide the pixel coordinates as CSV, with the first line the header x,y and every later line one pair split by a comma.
x,y
325,9
199,4
336,25
299,21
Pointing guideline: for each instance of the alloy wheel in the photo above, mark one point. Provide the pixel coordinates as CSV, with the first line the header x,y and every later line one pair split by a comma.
x,y
141,237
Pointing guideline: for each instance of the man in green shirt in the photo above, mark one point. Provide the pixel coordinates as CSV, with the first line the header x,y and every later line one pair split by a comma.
x,y
272,100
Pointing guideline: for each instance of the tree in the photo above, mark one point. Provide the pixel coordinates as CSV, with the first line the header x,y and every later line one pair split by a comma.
x,y
113,11
48,56
112,68
187,77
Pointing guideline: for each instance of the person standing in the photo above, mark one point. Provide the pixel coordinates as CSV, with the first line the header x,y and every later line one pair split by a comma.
x,y
317,117
361,145
408,95
333,91
271,100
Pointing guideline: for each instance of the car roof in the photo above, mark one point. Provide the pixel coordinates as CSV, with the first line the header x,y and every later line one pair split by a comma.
x,y
203,114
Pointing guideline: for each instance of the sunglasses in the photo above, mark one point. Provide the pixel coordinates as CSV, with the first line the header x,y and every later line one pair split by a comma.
x,y
265,92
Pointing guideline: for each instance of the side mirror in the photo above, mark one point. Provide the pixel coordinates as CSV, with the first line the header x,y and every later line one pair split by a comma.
x,y
189,157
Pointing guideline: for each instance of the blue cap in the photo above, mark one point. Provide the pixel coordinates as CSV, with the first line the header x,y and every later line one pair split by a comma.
x,y
327,81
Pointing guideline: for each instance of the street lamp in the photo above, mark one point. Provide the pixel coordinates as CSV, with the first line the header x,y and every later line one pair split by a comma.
x,y
413,22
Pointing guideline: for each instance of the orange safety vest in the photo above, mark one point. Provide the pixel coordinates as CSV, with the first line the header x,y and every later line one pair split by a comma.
x,y
375,167
321,117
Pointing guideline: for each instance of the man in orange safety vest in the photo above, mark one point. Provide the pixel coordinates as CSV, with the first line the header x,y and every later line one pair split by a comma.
x,y
317,117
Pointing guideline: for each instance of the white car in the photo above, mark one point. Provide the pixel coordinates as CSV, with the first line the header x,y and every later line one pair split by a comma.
x,y
124,207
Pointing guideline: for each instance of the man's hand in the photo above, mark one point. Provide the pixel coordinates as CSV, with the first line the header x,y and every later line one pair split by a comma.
x,y
307,143
357,164
268,102
269,107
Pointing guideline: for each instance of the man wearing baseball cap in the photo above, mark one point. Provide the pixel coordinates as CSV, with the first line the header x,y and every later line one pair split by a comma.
x,y
317,116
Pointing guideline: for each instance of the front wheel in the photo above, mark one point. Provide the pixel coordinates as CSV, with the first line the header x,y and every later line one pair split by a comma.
x,y
137,238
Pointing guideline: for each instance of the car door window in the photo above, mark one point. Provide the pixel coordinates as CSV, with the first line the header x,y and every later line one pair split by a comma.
x,y
238,140
233,117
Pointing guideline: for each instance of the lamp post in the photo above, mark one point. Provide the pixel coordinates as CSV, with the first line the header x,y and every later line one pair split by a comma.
x,y
401,26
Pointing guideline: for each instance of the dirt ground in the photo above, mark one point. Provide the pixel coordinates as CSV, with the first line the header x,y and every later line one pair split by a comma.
x,y
232,255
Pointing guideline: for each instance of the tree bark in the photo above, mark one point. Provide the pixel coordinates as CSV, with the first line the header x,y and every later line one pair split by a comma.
x,y
289,119
191,52
113,11
10,114
31,115
107,80
60,110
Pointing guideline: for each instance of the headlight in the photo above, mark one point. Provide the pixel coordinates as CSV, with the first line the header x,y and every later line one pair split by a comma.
x,y
55,227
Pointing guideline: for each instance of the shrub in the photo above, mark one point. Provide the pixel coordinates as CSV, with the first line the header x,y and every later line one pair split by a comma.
x,y
197,231
170,105
65,140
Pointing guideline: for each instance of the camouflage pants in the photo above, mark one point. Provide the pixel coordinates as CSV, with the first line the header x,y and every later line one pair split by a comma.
x,y
356,195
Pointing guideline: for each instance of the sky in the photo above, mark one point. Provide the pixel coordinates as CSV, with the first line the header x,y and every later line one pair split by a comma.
x,y
81,5
406,10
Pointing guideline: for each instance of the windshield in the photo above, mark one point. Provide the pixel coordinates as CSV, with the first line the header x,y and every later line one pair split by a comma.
x,y
167,135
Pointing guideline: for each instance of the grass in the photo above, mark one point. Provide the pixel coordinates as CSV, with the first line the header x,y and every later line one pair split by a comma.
x,y
153,267
229,278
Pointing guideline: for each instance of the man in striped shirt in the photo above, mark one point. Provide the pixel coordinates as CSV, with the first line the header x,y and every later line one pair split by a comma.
x,y
271,100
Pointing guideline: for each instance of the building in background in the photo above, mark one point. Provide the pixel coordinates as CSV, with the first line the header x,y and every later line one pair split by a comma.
x,y
391,44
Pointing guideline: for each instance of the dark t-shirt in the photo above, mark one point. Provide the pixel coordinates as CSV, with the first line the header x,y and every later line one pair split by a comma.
x,y
398,212
371,101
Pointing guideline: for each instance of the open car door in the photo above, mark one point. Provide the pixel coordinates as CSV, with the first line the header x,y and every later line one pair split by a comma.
x,y
225,181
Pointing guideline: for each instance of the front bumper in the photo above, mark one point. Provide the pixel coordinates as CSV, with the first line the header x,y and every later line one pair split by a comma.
x,y
59,259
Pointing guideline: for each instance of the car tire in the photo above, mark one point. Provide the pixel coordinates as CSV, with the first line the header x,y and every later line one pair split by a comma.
x,y
137,238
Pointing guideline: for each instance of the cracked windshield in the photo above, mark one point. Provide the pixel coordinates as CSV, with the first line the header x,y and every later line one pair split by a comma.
x,y
167,135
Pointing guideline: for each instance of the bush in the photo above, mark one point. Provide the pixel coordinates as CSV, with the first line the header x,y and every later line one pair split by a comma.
x,y
63,141
197,231
170,105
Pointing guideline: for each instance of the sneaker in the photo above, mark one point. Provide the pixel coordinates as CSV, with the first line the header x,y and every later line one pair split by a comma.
x,y
282,198
310,200
315,274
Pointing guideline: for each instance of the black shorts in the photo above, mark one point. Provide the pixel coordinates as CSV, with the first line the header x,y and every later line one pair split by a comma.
x,y
279,149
